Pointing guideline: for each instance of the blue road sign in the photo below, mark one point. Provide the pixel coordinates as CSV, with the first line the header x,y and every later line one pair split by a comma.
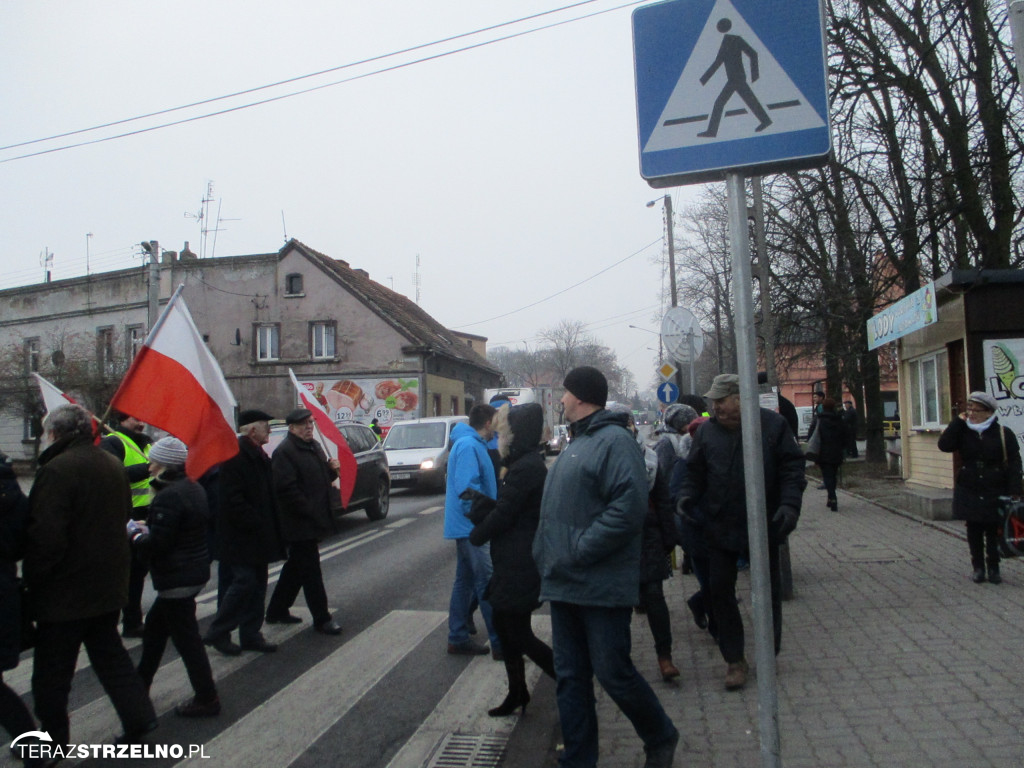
x,y
668,392
729,86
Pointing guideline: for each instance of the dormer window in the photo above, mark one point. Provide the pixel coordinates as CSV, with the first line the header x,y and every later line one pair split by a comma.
x,y
293,284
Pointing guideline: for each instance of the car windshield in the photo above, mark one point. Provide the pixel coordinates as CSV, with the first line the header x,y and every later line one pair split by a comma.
x,y
405,436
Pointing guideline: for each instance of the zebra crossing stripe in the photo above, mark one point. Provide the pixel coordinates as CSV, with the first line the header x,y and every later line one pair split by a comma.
x,y
315,701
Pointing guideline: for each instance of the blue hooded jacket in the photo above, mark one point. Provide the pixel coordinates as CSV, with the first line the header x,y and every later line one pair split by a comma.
x,y
469,466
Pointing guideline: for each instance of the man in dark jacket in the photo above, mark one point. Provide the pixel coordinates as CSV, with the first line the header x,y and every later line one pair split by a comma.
x,y
302,484
130,445
249,538
76,565
715,483
587,550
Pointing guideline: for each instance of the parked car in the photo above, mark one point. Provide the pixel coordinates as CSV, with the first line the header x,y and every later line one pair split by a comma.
x,y
559,439
372,491
417,451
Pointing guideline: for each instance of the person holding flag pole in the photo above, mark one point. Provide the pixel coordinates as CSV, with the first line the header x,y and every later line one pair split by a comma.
x,y
304,466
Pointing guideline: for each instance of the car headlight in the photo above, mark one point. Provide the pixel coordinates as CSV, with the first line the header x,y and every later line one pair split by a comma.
x,y
428,464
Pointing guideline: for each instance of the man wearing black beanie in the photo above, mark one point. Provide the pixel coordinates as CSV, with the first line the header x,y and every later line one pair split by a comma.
x,y
587,550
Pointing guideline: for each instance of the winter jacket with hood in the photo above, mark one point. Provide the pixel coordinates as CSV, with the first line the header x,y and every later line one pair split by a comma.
x,y
469,468
587,546
510,526
176,542
833,438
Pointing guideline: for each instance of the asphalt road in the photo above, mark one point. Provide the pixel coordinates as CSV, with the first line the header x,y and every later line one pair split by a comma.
x,y
384,693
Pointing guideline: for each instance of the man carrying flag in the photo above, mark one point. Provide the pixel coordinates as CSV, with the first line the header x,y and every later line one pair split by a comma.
x,y
303,475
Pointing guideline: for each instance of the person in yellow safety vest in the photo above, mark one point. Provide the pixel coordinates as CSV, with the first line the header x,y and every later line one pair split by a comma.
x,y
130,445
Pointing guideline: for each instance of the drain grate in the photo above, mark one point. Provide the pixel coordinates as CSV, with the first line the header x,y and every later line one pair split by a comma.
x,y
459,750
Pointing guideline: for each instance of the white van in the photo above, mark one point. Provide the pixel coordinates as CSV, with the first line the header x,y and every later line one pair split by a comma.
x,y
417,451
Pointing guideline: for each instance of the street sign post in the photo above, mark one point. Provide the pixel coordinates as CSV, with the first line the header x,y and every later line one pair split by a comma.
x,y
726,89
729,86
668,392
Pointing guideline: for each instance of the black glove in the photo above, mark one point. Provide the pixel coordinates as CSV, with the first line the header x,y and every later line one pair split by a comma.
x,y
784,520
481,504
684,508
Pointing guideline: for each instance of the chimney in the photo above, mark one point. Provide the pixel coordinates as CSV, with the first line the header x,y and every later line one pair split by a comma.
x,y
186,253
168,257
362,272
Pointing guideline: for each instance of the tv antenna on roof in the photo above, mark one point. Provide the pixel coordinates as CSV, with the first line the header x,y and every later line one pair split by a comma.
x,y
46,262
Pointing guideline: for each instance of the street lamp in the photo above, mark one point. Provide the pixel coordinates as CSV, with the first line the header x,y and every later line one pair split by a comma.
x,y
671,244
648,330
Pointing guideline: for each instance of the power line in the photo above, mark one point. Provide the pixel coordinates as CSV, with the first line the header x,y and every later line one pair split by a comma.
x,y
312,89
564,290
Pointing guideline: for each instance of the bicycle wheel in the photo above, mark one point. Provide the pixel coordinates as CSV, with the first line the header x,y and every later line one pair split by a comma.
x,y
1013,527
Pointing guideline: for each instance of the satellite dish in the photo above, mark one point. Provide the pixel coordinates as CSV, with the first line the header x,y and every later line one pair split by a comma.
x,y
680,330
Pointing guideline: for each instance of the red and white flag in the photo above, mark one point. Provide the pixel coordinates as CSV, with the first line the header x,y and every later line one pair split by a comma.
x,y
336,445
176,385
53,397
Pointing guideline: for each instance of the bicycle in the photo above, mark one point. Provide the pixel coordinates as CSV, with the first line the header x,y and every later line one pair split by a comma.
x,y
1012,510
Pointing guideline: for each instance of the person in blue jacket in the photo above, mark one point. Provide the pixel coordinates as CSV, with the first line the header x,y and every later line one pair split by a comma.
x,y
469,470
587,550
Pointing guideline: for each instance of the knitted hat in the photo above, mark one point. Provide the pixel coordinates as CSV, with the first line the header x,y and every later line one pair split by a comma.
x,y
588,384
252,415
984,399
679,415
169,452
724,384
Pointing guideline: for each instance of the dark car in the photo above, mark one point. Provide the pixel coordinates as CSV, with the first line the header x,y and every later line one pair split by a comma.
x,y
372,491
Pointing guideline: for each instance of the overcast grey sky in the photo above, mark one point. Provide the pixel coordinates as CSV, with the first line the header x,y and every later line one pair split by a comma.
x,y
510,169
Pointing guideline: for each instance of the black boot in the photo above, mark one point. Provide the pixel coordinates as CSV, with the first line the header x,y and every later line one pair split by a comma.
x,y
518,695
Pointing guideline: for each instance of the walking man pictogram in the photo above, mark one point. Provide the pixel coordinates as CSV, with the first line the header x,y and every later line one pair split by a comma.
x,y
730,55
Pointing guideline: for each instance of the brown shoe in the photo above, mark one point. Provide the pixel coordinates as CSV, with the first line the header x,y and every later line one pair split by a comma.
x,y
668,669
736,675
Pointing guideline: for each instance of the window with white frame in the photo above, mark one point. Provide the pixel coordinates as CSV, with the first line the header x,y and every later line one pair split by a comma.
x,y
136,336
322,341
929,391
31,355
268,341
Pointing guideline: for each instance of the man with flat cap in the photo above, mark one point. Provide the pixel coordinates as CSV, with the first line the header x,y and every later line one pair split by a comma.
x,y
715,483
587,549
302,485
249,539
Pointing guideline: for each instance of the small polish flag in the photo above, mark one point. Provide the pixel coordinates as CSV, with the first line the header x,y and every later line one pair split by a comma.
x,y
337,448
176,385
53,397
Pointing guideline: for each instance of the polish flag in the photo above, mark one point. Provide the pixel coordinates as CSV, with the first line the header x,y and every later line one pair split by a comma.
x,y
335,445
53,397
176,385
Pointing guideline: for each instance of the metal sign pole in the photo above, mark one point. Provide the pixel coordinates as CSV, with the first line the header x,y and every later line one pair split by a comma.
x,y
757,523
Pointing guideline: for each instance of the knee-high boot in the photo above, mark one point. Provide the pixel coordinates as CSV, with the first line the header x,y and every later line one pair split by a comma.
x,y
518,695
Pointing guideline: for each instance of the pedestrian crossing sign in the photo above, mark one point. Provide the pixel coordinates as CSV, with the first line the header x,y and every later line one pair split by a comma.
x,y
729,86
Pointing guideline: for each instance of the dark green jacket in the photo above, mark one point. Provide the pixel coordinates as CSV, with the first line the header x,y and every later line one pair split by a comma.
x,y
587,545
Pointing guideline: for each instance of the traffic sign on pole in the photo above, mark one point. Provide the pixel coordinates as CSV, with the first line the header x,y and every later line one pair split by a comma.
x,y
668,392
729,86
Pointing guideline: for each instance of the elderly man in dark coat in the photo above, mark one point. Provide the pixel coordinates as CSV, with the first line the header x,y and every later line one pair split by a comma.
x,y
76,565
302,483
249,537
715,482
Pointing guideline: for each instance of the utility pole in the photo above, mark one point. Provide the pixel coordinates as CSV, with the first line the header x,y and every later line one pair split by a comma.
x,y
762,272
153,249
1015,10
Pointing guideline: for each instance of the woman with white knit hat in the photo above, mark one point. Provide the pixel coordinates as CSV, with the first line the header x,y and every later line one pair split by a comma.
x,y
174,538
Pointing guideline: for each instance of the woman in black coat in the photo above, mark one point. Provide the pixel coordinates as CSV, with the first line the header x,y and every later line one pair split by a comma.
x,y
174,539
833,448
990,468
14,715
509,524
